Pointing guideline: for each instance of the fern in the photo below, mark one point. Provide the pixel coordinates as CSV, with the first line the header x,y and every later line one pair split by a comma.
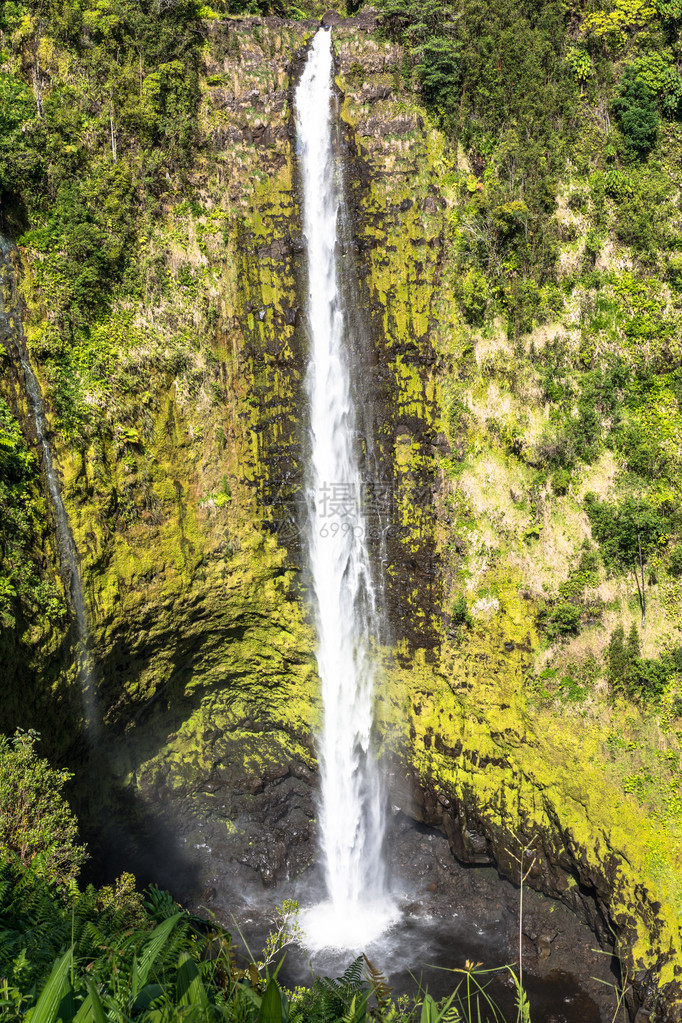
x,y
5,885
329,1000
353,976
380,989
159,904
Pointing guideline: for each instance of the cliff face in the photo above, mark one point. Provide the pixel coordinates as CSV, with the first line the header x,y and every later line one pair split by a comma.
x,y
184,502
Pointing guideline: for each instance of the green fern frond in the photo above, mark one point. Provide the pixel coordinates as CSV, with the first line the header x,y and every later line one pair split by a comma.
x,y
380,987
159,904
353,977
333,987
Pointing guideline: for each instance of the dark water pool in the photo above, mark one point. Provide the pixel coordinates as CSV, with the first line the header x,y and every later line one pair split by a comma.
x,y
450,915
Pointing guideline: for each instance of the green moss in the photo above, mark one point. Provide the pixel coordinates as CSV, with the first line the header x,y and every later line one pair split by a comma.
x,y
205,654
467,729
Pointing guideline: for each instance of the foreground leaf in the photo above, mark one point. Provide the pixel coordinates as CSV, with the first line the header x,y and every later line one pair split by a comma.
x,y
48,1004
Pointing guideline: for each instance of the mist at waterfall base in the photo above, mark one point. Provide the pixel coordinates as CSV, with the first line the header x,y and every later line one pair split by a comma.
x,y
449,914
347,617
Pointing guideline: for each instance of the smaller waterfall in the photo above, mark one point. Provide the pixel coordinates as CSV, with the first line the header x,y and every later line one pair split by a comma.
x,y
347,618
10,326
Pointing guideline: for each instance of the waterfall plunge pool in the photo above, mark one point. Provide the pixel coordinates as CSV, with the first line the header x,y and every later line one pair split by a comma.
x,y
445,915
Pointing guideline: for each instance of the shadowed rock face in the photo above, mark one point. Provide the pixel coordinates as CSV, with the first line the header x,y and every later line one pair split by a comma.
x,y
190,544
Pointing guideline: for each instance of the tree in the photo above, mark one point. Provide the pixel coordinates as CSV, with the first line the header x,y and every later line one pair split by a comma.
x,y
37,826
628,534
622,655
636,111
564,620
438,71
630,673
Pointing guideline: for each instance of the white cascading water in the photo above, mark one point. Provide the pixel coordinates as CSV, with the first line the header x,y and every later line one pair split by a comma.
x,y
352,800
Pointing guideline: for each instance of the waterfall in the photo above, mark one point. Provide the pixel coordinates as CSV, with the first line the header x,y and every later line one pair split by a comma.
x,y
10,326
345,600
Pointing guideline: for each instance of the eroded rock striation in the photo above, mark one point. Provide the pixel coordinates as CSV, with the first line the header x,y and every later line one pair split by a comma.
x,y
185,508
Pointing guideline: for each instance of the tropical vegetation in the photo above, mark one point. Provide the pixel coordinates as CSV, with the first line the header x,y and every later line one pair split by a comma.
x,y
564,133
88,955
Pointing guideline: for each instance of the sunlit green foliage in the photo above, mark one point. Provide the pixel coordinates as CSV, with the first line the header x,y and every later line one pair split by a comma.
x,y
636,676
108,955
38,831
615,26
629,530
98,122
102,954
580,63
658,72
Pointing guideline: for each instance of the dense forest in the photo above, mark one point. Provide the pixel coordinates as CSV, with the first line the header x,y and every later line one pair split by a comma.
x,y
561,168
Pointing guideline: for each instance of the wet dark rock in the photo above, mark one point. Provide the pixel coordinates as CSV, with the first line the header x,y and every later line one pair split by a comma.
x,y
373,93
366,20
279,248
433,204
303,773
380,127
292,315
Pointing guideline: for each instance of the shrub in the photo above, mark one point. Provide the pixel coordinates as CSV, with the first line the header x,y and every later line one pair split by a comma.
x,y
675,564
631,674
659,74
563,620
625,528
474,296
580,63
37,827
636,112
674,272
460,616
617,185
560,480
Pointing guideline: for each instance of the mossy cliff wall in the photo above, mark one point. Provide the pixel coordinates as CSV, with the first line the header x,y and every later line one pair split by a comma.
x,y
184,502
490,764
203,654
397,225
38,678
